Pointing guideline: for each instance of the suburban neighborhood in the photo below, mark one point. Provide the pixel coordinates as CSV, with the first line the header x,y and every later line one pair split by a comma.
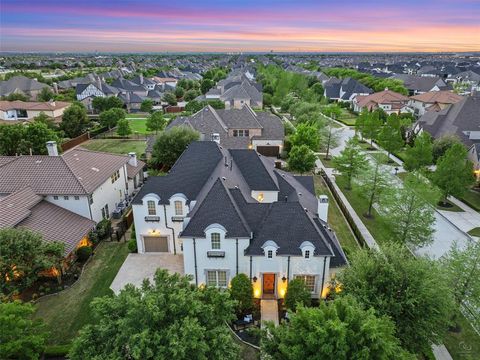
x,y
285,190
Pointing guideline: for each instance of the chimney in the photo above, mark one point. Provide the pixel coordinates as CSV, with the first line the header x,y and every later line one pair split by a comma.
x,y
322,209
132,159
52,148
55,88
141,78
216,138
99,83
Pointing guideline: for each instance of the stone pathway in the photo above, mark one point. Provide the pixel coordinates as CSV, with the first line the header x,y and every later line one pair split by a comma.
x,y
269,311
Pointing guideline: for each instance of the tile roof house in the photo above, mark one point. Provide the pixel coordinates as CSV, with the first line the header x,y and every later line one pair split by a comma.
x,y
461,119
88,183
230,212
433,100
20,111
237,128
22,85
389,101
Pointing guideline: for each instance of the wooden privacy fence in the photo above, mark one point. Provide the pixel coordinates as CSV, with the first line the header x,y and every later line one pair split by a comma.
x,y
75,141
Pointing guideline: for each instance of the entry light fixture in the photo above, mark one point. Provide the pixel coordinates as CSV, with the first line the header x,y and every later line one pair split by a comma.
x,y
254,279
284,279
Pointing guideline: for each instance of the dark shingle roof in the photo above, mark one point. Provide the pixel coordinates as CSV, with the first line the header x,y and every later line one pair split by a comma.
x,y
253,170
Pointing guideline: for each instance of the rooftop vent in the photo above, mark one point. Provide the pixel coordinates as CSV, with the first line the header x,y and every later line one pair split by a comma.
x,y
95,169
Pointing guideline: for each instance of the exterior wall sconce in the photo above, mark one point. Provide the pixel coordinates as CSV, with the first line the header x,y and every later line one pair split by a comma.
x,y
255,279
284,279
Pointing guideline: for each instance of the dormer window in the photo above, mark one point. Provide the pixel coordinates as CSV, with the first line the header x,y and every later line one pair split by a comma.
x,y
178,208
270,249
151,208
270,254
307,249
307,254
215,241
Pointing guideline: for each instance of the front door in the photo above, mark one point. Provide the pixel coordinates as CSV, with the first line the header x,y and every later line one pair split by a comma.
x,y
269,284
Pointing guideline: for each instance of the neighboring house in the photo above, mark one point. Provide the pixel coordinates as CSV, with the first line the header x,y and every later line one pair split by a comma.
x,y
26,209
231,212
433,101
344,90
242,94
20,111
237,128
389,101
22,85
422,84
461,119
88,183
466,81
87,92
474,157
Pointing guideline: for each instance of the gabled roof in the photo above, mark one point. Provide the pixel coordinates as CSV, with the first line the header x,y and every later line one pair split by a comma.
x,y
442,97
33,105
382,97
20,83
253,170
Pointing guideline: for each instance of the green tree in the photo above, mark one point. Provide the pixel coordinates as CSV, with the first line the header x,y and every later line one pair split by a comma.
x,y
155,122
413,292
74,120
297,294
333,110
23,254
442,144
373,183
241,291
123,128
194,106
45,119
329,138
191,94
45,94
454,172
390,135
36,135
20,336
372,126
100,104
166,319
16,96
146,106
179,92
10,138
306,135
301,159
171,144
420,155
170,98
110,118
318,88
409,213
351,161
206,85
340,329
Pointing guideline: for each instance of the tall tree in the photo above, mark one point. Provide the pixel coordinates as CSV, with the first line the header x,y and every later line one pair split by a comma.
x,y
123,128
409,211
442,144
340,329
206,85
390,135
241,290
297,295
454,172
166,319
301,159
171,144
306,135
170,98
372,126
329,138
146,106
351,161
20,336
45,94
74,120
413,292
110,118
420,155
373,183
155,122
35,137
23,254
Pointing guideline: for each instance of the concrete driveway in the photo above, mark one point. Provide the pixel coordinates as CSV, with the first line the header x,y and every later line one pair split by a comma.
x,y
138,267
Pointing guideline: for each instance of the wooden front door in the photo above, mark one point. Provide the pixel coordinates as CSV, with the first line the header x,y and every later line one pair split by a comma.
x,y
269,284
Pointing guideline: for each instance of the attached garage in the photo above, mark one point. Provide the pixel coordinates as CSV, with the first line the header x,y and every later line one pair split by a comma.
x,y
269,150
155,243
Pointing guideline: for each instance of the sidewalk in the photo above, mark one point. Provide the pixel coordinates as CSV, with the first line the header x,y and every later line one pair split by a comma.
x,y
269,311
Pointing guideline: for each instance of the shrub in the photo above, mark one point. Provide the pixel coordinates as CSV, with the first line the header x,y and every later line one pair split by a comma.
x,y
93,237
297,293
55,351
132,245
242,291
104,228
84,252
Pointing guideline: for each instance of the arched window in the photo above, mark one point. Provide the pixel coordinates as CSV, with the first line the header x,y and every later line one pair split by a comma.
x,y
215,240
178,208
151,207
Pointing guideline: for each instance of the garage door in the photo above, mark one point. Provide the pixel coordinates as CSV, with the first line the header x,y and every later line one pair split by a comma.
x,y
155,243
268,150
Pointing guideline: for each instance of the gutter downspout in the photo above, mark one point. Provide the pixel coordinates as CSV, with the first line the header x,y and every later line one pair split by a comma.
x,y
251,268
323,275
195,261
236,245
170,228
90,206
288,269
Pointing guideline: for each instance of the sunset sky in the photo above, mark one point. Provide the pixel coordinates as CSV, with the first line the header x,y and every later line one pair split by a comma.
x,y
247,25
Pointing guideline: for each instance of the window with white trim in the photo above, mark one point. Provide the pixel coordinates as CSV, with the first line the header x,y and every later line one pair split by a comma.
x,y
178,208
151,207
217,278
307,254
270,254
65,197
55,197
309,281
215,240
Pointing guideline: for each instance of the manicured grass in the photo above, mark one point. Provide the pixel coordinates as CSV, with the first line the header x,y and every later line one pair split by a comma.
x,y
335,218
464,345
382,158
366,146
347,117
472,198
327,163
116,146
453,207
136,116
69,311
475,232
138,126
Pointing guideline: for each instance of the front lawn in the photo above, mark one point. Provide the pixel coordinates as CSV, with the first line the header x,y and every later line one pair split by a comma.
x,y
475,232
450,207
327,163
347,117
472,199
463,345
382,158
68,311
138,126
116,146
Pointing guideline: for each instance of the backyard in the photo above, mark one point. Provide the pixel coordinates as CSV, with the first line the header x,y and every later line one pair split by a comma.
x,y
69,311
116,146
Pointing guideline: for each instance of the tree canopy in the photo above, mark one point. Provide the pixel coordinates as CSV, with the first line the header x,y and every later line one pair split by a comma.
x,y
297,294
74,120
166,319
351,161
123,128
155,122
301,159
101,104
306,135
419,155
19,139
110,118
241,291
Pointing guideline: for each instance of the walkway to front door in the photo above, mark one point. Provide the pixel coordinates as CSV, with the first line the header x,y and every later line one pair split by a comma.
x,y
269,311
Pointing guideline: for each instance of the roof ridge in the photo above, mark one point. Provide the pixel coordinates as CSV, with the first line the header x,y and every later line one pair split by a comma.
x,y
217,116
235,206
74,175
